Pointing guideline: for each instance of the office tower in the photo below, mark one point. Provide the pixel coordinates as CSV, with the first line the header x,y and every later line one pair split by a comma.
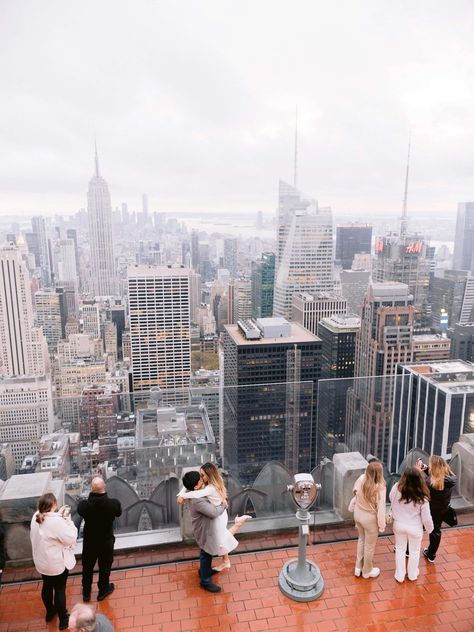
x,y
32,241
451,292
205,266
308,310
462,342
159,311
240,300
230,256
24,385
39,228
430,348
263,281
384,339
352,239
90,319
270,371
433,406
66,262
48,316
71,233
78,363
195,250
304,249
98,419
338,336
402,258
110,341
100,235
463,258
354,284
117,315
194,294
23,346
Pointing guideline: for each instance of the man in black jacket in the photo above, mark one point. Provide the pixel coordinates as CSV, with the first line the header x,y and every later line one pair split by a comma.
x,y
99,512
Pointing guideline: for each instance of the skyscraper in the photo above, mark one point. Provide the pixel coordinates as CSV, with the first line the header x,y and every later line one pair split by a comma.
x,y
338,336
352,239
464,240
304,249
22,344
384,339
25,389
39,228
308,310
230,256
160,328
100,235
433,406
263,281
402,259
271,368
451,292
48,316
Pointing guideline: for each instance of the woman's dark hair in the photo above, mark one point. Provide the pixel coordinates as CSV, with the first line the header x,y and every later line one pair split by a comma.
x,y
412,486
45,504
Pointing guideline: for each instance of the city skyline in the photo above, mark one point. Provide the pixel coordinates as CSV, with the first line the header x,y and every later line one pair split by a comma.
x,y
185,127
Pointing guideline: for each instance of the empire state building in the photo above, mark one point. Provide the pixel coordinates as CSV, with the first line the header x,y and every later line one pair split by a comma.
x,y
100,235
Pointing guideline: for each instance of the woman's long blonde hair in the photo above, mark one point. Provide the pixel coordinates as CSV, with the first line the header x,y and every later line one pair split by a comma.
x,y
373,481
439,469
214,478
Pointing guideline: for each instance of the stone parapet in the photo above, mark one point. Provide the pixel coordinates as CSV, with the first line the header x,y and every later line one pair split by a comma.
x,y
348,466
18,502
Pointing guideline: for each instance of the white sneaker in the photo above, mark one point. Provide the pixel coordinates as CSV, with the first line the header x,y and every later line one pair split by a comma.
x,y
375,572
357,572
242,519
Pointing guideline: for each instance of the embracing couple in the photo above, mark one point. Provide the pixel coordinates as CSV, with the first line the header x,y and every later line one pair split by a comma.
x,y
207,496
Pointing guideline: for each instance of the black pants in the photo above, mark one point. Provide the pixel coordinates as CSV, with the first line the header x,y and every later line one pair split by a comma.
x,y
53,594
435,535
103,552
205,567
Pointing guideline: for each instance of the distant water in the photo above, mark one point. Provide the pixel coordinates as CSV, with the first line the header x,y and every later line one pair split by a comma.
x,y
245,226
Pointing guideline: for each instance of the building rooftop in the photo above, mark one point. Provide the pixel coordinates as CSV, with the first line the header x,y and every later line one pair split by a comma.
x,y
298,335
339,322
450,376
150,597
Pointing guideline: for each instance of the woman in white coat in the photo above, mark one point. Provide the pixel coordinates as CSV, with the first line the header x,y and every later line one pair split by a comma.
x,y
411,512
53,536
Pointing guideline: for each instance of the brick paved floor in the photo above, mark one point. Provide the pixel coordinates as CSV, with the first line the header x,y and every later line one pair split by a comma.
x,y
168,598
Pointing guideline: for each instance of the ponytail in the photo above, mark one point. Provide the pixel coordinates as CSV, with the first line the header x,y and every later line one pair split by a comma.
x,y
45,504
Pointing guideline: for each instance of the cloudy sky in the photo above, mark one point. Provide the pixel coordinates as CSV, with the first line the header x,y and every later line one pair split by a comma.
x,y
193,102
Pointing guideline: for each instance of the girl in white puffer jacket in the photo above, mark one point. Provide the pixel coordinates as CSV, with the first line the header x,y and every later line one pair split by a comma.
x,y
53,536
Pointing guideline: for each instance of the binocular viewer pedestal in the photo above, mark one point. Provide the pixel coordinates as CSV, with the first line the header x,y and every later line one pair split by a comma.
x,y
300,579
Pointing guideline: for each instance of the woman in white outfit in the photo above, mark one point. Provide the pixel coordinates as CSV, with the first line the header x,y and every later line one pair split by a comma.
x,y
411,512
216,493
53,536
368,505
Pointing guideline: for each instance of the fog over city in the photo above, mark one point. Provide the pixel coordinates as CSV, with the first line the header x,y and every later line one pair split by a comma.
x,y
194,103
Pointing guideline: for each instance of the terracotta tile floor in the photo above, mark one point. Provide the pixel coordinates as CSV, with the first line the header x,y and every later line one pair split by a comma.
x,y
168,598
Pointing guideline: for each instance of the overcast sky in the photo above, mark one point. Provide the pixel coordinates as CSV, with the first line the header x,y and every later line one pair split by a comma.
x,y
193,102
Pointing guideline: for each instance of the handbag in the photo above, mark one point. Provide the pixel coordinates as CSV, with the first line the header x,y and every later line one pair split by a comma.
x,y
388,518
450,517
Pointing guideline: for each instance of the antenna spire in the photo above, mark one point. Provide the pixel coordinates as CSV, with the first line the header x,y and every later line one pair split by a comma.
x,y
295,166
404,218
97,174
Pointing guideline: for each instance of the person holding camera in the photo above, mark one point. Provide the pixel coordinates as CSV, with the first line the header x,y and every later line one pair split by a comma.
x,y
53,536
441,481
